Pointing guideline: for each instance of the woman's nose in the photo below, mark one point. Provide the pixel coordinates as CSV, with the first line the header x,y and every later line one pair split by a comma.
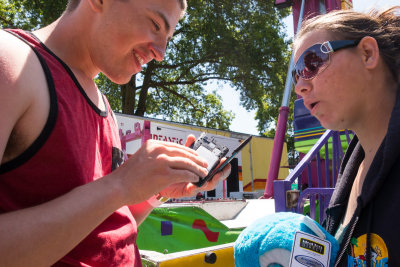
x,y
302,87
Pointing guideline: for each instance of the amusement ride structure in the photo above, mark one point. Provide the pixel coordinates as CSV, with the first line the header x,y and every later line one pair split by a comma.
x,y
312,181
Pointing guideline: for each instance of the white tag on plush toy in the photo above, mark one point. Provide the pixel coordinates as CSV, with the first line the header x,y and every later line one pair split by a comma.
x,y
313,226
309,250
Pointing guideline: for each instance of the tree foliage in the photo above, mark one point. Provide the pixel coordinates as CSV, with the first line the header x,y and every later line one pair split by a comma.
x,y
29,14
239,42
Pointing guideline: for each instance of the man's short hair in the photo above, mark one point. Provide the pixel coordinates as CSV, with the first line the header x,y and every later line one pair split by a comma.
x,y
72,4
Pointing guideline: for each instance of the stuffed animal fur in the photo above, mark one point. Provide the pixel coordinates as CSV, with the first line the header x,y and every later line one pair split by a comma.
x,y
268,241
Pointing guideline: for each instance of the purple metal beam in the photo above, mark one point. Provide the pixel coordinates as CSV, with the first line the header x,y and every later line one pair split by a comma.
x,y
319,172
322,194
307,158
301,8
276,151
327,180
281,127
280,194
281,186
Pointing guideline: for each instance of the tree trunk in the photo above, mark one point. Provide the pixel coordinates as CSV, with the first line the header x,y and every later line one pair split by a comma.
x,y
141,108
128,93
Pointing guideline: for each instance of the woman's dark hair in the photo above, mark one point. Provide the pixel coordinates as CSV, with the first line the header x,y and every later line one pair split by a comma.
x,y
384,26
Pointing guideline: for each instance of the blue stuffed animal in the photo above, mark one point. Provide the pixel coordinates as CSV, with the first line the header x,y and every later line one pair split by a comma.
x,y
268,241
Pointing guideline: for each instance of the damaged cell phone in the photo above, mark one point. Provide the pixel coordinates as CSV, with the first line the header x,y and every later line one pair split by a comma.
x,y
209,149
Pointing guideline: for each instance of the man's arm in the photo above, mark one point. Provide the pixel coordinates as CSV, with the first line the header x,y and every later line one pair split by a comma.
x,y
45,233
41,235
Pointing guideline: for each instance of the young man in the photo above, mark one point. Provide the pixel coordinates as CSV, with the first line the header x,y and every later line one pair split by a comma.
x,y
60,201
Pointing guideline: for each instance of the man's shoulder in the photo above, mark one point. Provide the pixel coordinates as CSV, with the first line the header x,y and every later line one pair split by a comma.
x,y
18,65
23,95
10,44
13,55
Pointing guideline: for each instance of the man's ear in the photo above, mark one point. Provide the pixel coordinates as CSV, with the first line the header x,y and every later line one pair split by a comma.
x,y
369,51
96,5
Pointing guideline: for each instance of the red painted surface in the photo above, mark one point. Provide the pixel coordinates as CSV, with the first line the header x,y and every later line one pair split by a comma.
x,y
201,225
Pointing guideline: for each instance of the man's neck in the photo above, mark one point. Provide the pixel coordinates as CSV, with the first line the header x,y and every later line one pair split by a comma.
x,y
67,38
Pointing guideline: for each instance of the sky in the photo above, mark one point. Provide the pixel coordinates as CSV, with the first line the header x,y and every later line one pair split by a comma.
x,y
244,121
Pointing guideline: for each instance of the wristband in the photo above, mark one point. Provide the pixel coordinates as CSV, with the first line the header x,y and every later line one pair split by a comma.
x,y
156,200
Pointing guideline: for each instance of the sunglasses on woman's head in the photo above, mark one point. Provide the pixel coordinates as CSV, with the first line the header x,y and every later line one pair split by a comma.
x,y
317,57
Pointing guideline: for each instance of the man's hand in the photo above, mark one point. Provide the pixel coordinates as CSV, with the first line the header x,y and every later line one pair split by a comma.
x,y
155,166
179,190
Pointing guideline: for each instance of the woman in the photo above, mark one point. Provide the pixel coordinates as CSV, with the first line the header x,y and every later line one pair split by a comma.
x,y
347,71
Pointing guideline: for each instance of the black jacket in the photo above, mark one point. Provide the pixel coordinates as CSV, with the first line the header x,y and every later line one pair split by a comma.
x,y
374,230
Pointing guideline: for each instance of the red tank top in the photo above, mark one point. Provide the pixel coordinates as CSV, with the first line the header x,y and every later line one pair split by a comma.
x,y
78,144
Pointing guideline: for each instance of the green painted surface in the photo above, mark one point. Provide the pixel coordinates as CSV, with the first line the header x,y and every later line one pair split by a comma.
x,y
305,146
183,236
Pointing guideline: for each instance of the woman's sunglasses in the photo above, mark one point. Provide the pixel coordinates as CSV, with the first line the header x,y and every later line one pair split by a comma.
x,y
317,57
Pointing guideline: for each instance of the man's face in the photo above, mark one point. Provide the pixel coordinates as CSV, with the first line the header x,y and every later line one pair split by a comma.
x,y
129,33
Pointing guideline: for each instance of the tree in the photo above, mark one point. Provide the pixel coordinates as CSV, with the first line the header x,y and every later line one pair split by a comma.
x,y
236,42
29,14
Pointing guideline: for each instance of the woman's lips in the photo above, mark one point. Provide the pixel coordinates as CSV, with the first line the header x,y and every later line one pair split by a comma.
x,y
313,107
